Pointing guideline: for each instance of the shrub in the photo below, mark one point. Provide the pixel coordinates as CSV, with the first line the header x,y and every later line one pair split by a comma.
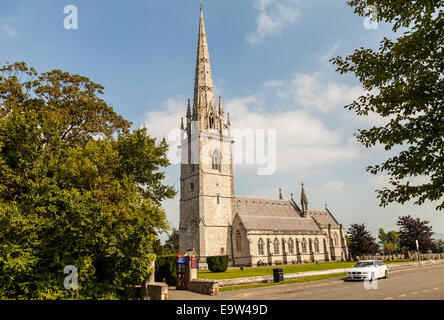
x,y
166,267
217,263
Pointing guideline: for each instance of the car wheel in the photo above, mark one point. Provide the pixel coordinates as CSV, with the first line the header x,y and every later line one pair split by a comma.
x,y
386,274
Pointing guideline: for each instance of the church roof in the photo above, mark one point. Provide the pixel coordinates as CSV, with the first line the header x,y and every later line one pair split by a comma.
x,y
266,207
282,224
273,215
323,217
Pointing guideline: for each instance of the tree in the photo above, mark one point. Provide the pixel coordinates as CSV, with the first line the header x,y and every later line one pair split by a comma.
x,y
389,241
404,84
411,229
68,197
361,241
172,244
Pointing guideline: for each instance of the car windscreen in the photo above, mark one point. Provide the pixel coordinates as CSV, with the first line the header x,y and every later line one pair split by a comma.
x,y
363,264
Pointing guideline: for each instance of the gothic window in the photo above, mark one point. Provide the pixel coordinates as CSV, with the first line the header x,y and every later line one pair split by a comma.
x,y
192,186
335,240
216,160
218,199
260,247
290,246
238,241
211,121
276,246
304,245
316,245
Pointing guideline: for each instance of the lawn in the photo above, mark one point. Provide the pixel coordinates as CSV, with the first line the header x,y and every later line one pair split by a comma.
x,y
304,279
266,271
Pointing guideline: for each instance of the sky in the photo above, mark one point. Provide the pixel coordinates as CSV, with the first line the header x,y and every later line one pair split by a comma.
x,y
270,63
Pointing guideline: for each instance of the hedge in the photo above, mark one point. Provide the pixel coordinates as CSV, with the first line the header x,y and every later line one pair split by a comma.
x,y
166,267
217,263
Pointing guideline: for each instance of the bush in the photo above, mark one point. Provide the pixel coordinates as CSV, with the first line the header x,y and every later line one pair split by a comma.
x,y
217,263
166,267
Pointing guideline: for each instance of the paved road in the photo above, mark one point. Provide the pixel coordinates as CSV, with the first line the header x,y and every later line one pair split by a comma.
x,y
412,282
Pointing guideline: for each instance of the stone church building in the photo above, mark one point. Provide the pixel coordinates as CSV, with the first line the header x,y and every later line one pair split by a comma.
x,y
214,221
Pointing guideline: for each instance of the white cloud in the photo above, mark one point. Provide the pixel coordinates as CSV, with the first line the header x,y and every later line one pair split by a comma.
x,y
331,51
382,181
303,141
273,15
309,91
330,186
10,31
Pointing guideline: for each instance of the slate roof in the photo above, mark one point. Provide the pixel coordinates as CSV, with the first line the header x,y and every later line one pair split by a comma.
x,y
323,217
249,206
273,215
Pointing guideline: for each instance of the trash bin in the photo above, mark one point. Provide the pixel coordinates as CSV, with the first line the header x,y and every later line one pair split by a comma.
x,y
278,275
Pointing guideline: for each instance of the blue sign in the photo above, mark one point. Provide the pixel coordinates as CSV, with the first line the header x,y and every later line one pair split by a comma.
x,y
181,260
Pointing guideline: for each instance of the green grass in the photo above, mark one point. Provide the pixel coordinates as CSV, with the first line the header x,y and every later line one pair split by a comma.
x,y
266,271
305,279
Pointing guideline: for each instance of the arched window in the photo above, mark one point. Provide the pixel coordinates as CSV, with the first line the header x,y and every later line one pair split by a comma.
x,y
304,245
276,246
216,160
260,247
335,240
290,246
211,121
238,241
218,199
316,245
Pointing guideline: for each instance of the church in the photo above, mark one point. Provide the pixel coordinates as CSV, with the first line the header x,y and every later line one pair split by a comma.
x,y
214,220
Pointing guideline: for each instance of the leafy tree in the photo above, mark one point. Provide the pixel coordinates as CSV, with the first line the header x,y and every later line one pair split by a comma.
x,y
411,229
172,243
404,84
389,241
361,241
68,198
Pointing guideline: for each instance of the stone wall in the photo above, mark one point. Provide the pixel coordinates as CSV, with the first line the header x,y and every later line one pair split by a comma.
x,y
204,286
413,256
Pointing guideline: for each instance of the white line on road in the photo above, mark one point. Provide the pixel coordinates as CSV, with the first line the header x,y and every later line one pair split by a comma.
x,y
414,292
389,298
425,290
402,295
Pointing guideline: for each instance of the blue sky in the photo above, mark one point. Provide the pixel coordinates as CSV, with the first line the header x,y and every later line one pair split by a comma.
x,y
270,64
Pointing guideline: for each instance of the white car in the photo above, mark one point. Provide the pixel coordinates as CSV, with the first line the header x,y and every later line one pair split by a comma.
x,y
368,269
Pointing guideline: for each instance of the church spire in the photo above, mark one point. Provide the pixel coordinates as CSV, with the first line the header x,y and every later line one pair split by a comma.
x,y
304,201
204,100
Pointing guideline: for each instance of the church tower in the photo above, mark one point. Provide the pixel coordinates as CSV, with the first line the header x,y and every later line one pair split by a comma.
x,y
207,200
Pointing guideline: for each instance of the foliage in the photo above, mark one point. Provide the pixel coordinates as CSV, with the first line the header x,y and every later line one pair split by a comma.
x,y
389,241
361,241
172,243
404,85
166,268
217,263
411,229
68,198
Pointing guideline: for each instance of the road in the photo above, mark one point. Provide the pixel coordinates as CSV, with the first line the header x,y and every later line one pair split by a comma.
x,y
404,283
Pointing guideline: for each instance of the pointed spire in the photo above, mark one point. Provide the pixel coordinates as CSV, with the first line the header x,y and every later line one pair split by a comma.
x,y
203,82
304,201
228,119
181,124
189,109
280,194
221,108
